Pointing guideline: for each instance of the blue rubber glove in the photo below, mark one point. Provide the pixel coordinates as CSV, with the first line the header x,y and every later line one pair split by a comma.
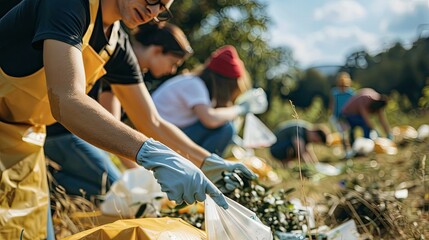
x,y
214,166
178,177
254,101
390,136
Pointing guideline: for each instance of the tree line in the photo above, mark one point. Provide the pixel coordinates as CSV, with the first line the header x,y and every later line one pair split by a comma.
x,y
398,71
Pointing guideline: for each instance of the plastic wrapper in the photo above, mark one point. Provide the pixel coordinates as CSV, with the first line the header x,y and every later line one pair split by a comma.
x,y
236,222
136,187
385,145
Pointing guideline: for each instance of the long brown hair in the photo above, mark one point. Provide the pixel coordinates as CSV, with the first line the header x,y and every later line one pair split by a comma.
x,y
222,90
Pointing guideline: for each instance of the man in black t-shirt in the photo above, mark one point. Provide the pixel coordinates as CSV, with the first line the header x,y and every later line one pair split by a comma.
x,y
294,137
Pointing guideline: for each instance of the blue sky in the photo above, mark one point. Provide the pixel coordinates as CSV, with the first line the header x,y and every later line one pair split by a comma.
x,y
324,32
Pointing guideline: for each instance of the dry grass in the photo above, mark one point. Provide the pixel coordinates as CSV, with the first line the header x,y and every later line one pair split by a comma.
x,y
363,193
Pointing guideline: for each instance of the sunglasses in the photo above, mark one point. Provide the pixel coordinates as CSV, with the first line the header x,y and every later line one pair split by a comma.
x,y
166,14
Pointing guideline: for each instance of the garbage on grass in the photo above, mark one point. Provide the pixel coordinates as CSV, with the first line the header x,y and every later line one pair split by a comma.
x,y
327,169
137,186
423,132
256,164
363,146
404,133
385,145
346,230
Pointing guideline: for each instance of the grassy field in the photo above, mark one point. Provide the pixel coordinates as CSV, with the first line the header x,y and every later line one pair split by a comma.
x,y
364,191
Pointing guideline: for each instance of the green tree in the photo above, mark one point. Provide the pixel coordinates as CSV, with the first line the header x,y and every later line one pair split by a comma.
x,y
209,24
397,69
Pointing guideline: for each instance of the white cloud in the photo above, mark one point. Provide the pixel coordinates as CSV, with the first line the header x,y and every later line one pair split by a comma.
x,y
405,6
345,26
353,34
340,11
401,17
303,49
328,45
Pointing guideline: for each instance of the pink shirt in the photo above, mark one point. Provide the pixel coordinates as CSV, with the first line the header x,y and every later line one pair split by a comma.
x,y
360,101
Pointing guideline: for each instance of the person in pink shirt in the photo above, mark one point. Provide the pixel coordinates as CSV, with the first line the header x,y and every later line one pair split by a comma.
x,y
359,109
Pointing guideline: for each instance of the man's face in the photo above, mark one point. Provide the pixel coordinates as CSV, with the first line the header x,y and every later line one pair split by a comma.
x,y
137,12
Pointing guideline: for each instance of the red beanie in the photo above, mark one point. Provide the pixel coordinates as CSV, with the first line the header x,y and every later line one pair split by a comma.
x,y
226,62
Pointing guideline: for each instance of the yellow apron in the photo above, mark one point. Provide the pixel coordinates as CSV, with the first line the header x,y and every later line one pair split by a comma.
x,y
24,112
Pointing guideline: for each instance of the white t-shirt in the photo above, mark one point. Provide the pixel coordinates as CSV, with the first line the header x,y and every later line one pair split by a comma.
x,y
175,99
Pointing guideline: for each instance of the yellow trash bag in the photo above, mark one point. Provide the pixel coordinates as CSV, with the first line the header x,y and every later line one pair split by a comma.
x,y
143,229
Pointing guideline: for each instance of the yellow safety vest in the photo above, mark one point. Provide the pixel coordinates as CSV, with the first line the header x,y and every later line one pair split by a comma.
x,y
24,112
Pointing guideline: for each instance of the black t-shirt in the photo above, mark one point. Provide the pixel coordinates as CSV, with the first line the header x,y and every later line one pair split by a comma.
x,y
288,132
27,25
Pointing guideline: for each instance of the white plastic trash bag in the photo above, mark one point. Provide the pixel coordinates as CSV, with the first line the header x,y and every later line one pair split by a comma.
x,y
236,222
256,134
136,187
363,146
423,132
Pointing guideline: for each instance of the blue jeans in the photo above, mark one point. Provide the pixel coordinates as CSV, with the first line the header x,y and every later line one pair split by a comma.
x,y
214,140
50,225
357,121
82,164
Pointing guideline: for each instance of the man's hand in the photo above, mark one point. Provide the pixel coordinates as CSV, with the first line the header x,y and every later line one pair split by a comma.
x,y
231,174
178,177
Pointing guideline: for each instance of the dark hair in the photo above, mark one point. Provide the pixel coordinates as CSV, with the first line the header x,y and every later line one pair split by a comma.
x,y
322,135
170,37
222,90
378,104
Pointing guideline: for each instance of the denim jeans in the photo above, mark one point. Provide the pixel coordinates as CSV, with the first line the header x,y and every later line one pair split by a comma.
x,y
82,165
357,121
214,140
50,225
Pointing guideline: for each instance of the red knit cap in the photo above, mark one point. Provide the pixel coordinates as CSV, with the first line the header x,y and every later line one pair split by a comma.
x,y
226,62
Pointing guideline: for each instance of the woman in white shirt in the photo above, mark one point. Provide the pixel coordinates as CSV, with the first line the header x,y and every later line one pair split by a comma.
x,y
202,103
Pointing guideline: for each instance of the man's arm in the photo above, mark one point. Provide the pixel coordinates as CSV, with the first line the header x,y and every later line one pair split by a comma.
x,y
139,106
302,151
111,103
73,108
83,116
384,123
366,117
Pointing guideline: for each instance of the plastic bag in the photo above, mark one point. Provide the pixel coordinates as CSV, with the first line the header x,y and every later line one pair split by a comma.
x,y
236,222
256,134
143,229
363,146
136,187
